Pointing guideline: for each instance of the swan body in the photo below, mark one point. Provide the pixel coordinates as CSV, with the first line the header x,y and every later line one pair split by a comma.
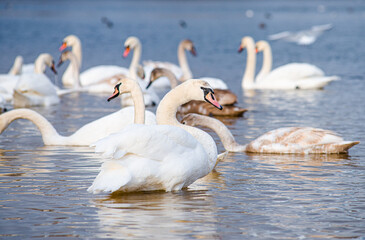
x,y
92,131
168,156
293,76
225,97
289,76
299,140
35,89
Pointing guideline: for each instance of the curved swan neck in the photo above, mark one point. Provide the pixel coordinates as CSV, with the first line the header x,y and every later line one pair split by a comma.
x,y
48,132
249,75
171,77
221,130
267,61
137,52
181,55
139,106
77,51
167,109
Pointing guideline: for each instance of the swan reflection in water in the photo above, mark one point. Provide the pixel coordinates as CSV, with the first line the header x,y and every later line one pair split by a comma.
x,y
160,214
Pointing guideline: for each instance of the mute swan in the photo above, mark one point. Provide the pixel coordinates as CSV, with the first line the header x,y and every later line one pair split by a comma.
x,y
275,80
292,75
169,156
98,75
181,72
225,97
92,131
301,140
35,89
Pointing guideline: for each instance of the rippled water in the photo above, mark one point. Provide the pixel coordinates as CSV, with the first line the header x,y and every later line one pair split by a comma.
x,y
249,196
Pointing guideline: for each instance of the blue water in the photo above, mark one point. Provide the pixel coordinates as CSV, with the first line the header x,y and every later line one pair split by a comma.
x,y
249,196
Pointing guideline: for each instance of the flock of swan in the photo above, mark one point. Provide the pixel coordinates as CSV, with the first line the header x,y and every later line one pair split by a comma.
x,y
145,151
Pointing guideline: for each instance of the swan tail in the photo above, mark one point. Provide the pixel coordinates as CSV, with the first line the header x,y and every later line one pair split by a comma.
x,y
112,177
341,147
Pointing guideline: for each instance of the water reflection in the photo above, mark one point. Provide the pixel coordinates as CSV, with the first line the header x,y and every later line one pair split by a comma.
x,y
157,215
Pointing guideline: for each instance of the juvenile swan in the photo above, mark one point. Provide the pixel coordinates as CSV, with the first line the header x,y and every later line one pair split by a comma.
x,y
302,140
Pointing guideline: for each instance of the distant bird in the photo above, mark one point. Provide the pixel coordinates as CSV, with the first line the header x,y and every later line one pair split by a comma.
x,y
304,37
183,24
107,22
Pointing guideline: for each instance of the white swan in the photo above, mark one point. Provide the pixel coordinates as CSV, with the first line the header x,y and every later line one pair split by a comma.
x,y
92,131
35,89
298,75
181,72
16,69
169,156
301,140
277,79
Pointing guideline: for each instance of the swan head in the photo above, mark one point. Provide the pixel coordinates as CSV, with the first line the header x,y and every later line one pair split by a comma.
x,y
156,74
261,46
130,43
192,119
188,45
66,55
125,85
69,41
200,90
246,42
43,60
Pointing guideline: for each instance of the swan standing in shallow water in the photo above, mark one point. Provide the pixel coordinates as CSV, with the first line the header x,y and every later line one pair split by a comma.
x,y
169,156
225,97
300,140
92,131
289,78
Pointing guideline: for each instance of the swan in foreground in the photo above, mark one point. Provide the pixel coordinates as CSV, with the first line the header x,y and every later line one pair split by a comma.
x,y
301,75
35,89
92,131
278,79
299,140
304,37
169,156
225,97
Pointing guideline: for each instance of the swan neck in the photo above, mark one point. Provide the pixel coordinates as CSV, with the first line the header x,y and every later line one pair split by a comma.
x,y
17,66
137,52
181,55
172,79
267,61
139,106
77,51
75,70
167,109
39,65
226,137
249,75
48,132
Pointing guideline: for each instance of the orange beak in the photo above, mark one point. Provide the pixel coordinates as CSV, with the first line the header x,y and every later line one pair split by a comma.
x,y
257,50
126,51
63,46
